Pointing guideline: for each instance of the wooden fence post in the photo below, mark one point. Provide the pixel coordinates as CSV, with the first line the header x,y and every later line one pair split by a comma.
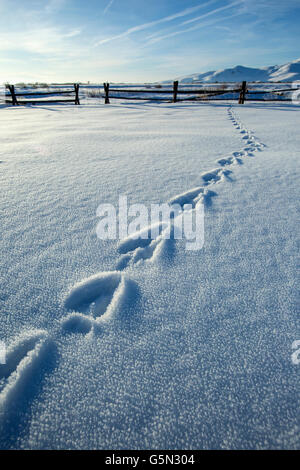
x,y
175,90
243,93
106,89
76,88
13,95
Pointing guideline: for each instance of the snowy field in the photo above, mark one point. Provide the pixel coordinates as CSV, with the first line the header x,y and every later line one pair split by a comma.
x,y
186,349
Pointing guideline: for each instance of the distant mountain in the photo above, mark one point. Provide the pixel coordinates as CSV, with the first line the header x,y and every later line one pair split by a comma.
x,y
276,73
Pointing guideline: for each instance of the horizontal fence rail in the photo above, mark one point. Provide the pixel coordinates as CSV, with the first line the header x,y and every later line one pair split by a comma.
x,y
217,91
15,100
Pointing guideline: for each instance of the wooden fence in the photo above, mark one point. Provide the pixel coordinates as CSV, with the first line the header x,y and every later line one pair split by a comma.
x,y
15,96
242,91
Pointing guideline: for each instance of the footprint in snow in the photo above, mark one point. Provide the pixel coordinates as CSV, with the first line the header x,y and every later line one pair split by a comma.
x,y
94,301
143,245
214,176
27,360
157,240
230,161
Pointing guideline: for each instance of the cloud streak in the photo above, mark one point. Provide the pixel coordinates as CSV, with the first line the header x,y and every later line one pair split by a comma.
x,y
108,6
213,12
192,28
144,26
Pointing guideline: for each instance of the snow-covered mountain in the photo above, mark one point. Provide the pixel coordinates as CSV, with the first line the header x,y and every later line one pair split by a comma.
x,y
276,73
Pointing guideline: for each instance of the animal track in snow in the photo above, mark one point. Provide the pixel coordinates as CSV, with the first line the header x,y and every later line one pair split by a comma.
x,y
93,301
188,197
252,143
28,360
23,360
141,238
137,248
230,161
142,245
214,176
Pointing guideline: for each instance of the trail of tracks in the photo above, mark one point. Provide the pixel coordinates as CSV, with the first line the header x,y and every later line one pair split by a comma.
x,y
93,302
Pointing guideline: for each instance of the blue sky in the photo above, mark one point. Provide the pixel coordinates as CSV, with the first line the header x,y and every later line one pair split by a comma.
x,y
142,40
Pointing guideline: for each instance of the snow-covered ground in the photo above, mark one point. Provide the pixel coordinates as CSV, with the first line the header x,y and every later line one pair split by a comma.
x,y
193,348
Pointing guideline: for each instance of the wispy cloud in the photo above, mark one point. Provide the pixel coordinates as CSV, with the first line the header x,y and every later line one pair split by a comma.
x,y
51,45
72,34
108,6
213,12
197,26
263,6
40,34
166,19
40,40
